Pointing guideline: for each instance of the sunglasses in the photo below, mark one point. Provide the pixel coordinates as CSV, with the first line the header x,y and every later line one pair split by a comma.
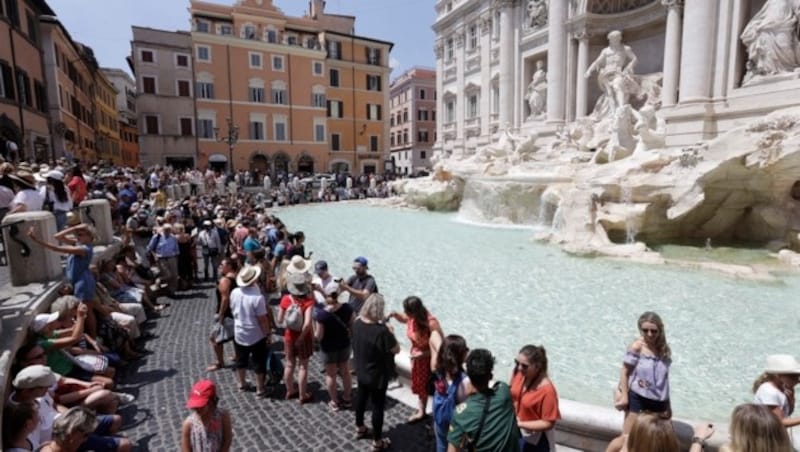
x,y
650,330
521,365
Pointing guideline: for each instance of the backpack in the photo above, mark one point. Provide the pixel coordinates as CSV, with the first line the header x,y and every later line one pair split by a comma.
x,y
294,316
444,401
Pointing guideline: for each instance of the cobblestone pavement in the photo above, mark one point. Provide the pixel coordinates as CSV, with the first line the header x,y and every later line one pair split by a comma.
x,y
161,382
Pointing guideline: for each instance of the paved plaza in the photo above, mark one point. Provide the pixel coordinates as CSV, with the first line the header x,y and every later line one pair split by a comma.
x,y
161,382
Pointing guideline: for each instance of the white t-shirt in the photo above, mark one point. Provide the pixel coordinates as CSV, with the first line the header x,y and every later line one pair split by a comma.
x,y
47,415
32,199
65,206
247,304
768,394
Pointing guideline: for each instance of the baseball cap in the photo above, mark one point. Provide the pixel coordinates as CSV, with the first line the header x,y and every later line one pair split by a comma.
x,y
42,320
320,266
361,260
202,392
36,376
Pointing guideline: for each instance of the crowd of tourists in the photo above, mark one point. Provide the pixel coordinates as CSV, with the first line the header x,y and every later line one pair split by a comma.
x,y
268,288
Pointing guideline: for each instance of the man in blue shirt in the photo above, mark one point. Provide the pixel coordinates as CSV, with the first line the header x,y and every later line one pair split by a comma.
x,y
164,246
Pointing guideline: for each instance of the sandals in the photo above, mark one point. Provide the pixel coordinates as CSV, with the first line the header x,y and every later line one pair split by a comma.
x,y
416,417
333,406
346,404
308,398
363,432
383,444
215,366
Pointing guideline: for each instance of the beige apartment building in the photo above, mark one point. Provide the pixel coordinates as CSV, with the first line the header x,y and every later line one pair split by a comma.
x,y
162,64
305,94
412,119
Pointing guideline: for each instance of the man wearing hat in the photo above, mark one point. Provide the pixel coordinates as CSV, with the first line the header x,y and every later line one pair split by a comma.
x,y
211,247
360,285
164,246
251,327
28,198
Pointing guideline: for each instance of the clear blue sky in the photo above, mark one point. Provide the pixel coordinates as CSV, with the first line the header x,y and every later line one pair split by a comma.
x,y
105,25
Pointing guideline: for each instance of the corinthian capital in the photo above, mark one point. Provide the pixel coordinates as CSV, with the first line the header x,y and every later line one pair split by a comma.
x,y
669,4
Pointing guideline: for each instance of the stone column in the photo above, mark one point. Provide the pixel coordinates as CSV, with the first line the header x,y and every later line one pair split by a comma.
x,y
672,51
699,33
29,262
507,50
97,213
582,85
438,146
486,75
556,61
461,98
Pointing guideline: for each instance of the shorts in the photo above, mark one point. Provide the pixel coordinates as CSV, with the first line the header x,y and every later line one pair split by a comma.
x,y
638,404
257,350
97,443
336,356
79,373
303,351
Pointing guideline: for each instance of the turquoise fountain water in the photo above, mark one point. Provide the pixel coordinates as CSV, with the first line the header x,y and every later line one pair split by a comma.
x,y
501,290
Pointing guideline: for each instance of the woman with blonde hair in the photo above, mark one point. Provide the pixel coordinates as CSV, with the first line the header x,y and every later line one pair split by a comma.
x,y
653,433
644,378
374,347
752,429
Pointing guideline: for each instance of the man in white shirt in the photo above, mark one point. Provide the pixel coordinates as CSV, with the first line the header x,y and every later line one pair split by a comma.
x,y
211,247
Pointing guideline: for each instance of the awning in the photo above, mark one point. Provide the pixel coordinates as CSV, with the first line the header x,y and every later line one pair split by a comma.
x,y
217,158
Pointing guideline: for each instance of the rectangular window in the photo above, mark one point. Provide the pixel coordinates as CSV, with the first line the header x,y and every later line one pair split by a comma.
x,y
205,128
272,36
280,131
186,127
374,112
24,88
226,30
256,95
319,133
203,53
422,136
373,143
318,100
334,50
151,125
6,81
422,94
291,40
202,26
149,85
336,142
278,96
255,60
472,106
277,63
449,49
147,56
473,37
182,60
12,12
249,32
449,112
41,97
495,99
405,115
373,56
334,77
373,82
33,28
205,90
317,67
184,89
423,154
335,109
256,130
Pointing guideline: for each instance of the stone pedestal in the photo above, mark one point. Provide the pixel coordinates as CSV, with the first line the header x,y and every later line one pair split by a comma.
x,y
31,263
97,213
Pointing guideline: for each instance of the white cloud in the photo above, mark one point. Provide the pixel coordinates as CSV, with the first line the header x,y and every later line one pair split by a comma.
x,y
394,63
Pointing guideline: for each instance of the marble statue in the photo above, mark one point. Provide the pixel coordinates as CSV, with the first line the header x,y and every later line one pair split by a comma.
x,y
771,38
614,67
621,141
537,92
650,129
537,13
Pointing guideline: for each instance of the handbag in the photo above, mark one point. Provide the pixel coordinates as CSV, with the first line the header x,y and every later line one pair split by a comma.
x,y
223,332
96,364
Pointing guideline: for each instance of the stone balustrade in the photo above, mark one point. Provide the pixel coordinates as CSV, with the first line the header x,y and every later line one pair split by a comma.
x,y
29,262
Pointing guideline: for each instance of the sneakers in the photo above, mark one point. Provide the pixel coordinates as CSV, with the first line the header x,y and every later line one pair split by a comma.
x,y
124,398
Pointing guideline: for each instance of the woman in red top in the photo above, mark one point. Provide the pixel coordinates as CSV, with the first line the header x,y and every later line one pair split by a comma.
x,y
425,334
77,185
535,400
298,344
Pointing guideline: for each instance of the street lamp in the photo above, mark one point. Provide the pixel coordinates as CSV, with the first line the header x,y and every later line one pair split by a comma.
x,y
232,138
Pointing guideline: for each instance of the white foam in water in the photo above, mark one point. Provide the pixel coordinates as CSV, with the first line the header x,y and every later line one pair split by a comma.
x,y
500,290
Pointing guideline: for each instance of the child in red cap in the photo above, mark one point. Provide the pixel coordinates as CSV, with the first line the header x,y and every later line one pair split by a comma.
x,y
208,428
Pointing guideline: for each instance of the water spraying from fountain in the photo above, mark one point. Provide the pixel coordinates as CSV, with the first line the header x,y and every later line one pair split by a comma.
x,y
626,197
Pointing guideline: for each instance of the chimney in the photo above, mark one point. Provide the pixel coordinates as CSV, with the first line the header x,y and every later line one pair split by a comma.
x,y
317,8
